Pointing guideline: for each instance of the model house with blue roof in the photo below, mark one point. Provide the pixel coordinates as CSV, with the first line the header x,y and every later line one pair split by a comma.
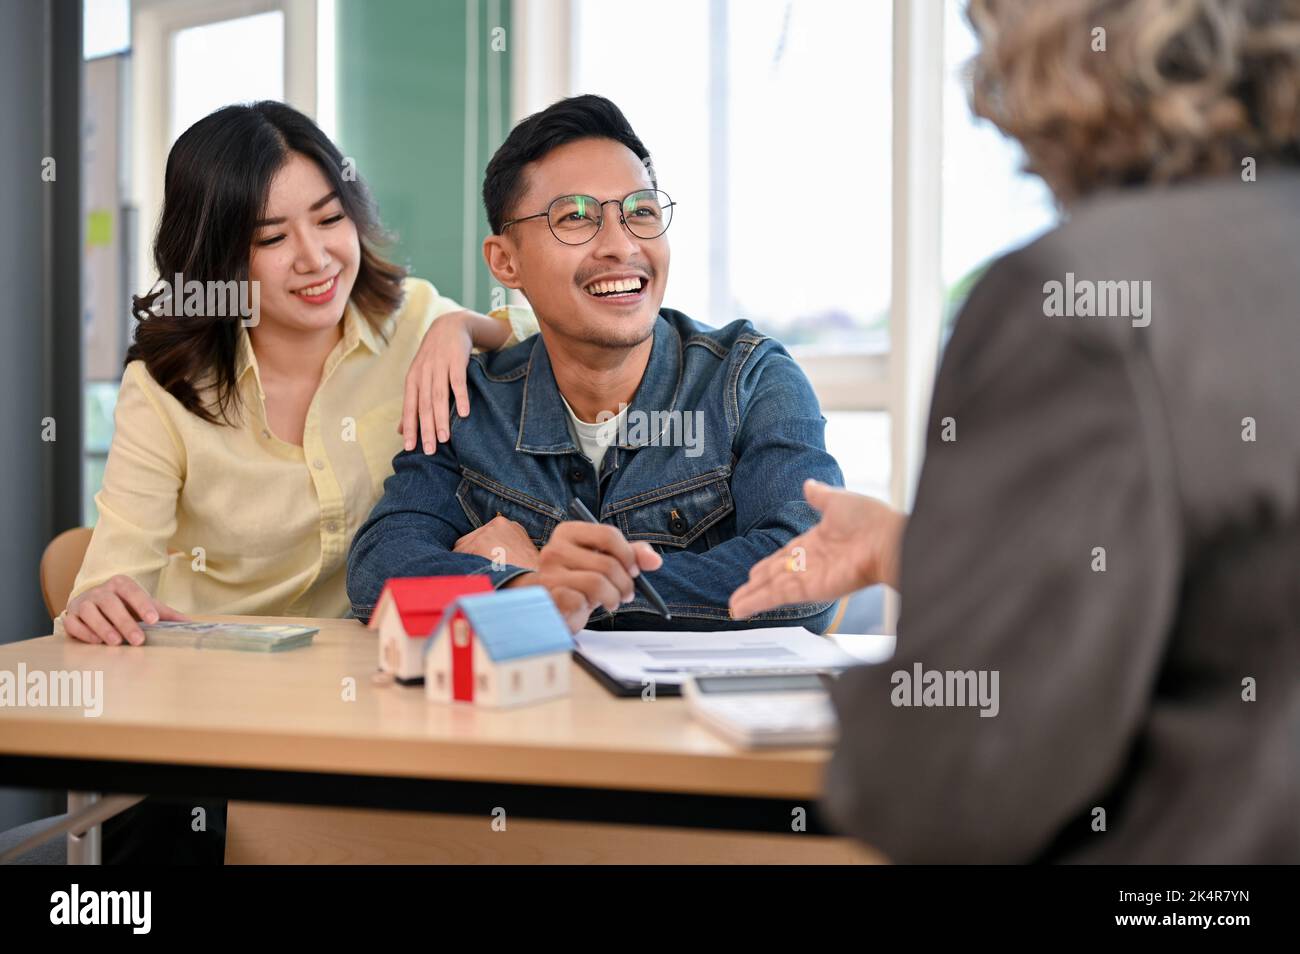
x,y
505,648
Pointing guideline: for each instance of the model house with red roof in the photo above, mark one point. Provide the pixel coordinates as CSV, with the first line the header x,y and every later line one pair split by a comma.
x,y
408,613
506,648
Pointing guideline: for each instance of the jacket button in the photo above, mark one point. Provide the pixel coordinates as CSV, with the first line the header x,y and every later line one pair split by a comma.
x,y
677,525
577,475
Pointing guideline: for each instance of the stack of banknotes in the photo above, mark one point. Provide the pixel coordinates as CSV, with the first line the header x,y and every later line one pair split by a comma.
x,y
250,637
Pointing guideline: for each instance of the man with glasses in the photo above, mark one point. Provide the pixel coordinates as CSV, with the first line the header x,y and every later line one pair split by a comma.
x,y
689,444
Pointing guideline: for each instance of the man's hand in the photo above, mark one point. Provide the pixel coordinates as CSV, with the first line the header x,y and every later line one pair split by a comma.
x,y
856,544
502,541
585,565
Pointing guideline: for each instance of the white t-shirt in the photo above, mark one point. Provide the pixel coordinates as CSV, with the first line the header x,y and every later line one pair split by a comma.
x,y
594,439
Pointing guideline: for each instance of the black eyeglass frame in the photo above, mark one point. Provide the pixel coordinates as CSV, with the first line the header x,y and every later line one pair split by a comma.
x,y
600,222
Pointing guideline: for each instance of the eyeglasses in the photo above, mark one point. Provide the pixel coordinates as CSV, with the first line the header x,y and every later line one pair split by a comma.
x,y
575,219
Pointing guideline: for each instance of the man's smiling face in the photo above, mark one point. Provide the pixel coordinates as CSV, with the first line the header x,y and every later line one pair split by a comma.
x,y
606,292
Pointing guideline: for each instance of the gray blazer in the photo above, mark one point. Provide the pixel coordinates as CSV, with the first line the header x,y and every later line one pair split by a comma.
x,y
1114,528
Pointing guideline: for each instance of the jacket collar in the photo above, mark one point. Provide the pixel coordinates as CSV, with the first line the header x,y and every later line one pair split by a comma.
x,y
543,421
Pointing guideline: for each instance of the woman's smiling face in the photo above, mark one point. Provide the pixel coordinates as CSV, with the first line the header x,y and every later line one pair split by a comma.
x,y
306,252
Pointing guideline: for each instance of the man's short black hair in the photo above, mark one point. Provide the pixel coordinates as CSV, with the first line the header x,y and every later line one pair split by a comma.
x,y
579,117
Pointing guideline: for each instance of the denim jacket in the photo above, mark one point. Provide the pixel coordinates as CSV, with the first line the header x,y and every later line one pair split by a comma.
x,y
714,485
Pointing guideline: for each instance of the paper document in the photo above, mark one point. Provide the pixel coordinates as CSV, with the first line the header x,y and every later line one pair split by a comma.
x,y
668,657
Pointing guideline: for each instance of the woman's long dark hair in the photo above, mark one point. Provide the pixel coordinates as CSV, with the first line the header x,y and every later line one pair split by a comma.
x,y
218,177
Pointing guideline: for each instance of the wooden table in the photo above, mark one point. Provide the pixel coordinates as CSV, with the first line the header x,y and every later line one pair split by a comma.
x,y
586,778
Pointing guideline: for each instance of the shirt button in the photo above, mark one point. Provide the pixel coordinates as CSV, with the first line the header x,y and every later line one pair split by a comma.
x,y
318,464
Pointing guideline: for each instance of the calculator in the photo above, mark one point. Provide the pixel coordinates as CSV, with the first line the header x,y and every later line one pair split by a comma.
x,y
762,709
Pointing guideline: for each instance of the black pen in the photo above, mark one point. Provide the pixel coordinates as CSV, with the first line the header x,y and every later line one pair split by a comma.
x,y
578,510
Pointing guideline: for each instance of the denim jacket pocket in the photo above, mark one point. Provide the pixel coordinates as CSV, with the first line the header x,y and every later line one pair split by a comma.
x,y
482,498
678,514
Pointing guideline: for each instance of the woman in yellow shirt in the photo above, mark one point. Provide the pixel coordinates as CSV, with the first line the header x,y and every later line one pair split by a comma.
x,y
252,441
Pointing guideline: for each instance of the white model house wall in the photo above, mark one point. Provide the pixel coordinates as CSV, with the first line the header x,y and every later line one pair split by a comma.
x,y
497,684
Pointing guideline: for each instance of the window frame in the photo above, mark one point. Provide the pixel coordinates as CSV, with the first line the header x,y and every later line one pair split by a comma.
x,y
154,23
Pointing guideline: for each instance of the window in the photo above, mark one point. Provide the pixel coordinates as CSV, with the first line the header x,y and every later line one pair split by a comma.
x,y
769,225
105,320
784,215
106,27
230,61
989,205
99,402
783,185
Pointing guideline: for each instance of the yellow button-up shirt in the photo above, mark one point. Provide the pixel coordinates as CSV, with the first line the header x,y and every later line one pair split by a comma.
x,y
216,518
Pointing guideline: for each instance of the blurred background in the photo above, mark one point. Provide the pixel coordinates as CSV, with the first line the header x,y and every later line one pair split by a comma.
x,y
853,112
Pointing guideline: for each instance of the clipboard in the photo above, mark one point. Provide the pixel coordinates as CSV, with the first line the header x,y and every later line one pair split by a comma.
x,y
621,688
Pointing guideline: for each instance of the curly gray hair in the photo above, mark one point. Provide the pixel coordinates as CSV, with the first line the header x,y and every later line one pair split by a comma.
x,y
1182,89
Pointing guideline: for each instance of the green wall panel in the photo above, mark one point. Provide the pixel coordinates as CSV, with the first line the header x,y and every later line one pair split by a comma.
x,y
402,70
